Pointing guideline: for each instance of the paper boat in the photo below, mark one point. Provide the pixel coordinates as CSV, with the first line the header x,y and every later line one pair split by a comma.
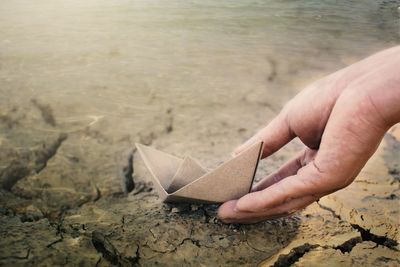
x,y
184,180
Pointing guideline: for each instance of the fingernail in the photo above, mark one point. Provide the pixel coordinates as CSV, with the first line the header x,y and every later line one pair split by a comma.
x,y
235,209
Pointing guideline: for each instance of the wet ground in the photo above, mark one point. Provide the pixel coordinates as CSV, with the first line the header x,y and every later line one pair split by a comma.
x,y
80,83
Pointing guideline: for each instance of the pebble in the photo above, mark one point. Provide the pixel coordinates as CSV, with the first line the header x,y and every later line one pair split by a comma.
x,y
175,210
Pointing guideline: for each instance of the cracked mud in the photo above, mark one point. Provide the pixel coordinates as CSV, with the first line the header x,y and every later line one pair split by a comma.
x,y
85,199
81,83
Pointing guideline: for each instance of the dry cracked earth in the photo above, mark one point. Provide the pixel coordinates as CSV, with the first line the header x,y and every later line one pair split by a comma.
x,y
78,194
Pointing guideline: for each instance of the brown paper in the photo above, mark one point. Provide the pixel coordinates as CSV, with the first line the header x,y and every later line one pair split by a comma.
x,y
184,180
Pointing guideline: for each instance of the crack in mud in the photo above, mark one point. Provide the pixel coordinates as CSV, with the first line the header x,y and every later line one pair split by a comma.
x,y
18,258
141,187
366,235
298,252
98,195
334,214
55,242
110,253
127,171
194,241
294,255
46,153
22,167
45,111
348,245
103,246
135,260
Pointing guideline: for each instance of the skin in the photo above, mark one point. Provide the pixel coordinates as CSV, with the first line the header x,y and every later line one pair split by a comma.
x,y
341,119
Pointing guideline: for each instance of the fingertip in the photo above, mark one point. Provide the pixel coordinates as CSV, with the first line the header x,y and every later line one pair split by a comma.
x,y
245,145
226,210
245,203
237,150
220,213
256,188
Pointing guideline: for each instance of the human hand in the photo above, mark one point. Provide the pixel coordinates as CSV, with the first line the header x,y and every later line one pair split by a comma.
x,y
341,119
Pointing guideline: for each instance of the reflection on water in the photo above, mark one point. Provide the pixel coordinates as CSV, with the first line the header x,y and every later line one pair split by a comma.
x,y
130,60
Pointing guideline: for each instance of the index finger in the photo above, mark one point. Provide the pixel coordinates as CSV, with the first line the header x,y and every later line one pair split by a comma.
x,y
275,135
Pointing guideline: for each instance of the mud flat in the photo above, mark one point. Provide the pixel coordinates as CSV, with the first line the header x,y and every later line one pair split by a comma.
x,y
82,81
78,193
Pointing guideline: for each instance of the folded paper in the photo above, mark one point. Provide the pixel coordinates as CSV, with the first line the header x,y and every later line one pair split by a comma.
x,y
184,180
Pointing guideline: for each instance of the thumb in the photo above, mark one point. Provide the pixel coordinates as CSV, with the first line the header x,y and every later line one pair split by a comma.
x,y
307,182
